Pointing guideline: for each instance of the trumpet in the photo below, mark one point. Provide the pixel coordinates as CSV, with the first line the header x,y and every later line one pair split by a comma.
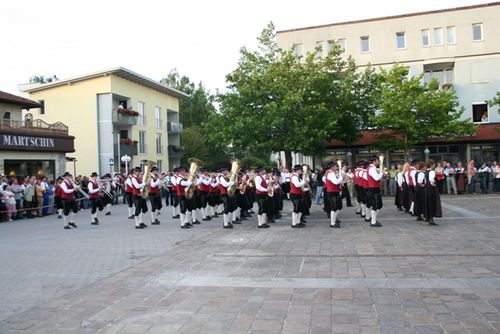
x,y
381,162
80,190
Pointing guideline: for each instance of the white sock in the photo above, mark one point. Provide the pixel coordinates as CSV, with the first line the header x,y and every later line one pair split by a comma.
x,y
264,218
65,219
259,220
225,219
173,211
152,216
141,217
182,219
60,212
108,207
234,215
136,219
203,213
294,219
188,217
412,206
358,206
368,213
363,209
72,217
333,217
374,217
212,212
193,216
299,217
130,212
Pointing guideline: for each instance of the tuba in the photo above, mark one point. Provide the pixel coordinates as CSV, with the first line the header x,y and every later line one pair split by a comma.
x,y
233,176
194,167
146,177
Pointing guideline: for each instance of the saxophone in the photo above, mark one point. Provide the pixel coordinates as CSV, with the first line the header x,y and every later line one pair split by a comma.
x,y
146,178
270,187
194,167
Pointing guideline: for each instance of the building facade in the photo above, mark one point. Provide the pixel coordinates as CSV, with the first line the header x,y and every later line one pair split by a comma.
x,y
30,146
458,46
112,114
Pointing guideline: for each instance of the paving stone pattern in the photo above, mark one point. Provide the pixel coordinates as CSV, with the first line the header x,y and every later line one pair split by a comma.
x,y
406,277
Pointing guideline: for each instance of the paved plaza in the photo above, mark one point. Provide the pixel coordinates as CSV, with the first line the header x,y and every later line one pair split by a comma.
x,y
406,277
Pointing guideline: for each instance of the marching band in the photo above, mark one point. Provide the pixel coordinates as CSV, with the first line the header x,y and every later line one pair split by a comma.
x,y
199,194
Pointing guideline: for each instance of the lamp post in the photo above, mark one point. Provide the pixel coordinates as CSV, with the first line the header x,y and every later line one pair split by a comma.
x,y
426,152
126,159
349,158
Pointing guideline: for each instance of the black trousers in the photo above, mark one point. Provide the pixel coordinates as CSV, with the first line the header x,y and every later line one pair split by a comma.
x,y
298,202
375,199
203,198
345,193
69,205
155,200
95,203
58,202
130,199
140,205
335,201
263,203
182,203
226,202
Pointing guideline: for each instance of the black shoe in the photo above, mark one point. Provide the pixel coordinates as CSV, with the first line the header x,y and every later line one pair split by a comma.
x,y
72,224
97,220
189,224
196,222
277,216
263,226
139,227
420,219
299,225
368,220
335,225
206,219
94,223
143,225
431,222
107,213
338,221
175,217
377,224
228,226
363,216
59,216
400,208
237,222
243,218
130,217
185,226
350,205
156,222
358,212
271,220
67,227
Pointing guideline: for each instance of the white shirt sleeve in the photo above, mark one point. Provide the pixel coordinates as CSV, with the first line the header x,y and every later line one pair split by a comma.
x,y
128,182
421,178
432,177
412,175
184,183
224,183
174,180
258,184
205,180
92,190
296,181
375,174
400,179
65,188
155,183
334,178
136,184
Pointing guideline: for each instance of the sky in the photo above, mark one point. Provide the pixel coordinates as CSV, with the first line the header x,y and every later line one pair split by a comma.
x,y
201,39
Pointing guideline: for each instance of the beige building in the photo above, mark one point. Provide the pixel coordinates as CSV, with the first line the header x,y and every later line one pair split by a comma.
x,y
30,146
111,114
459,46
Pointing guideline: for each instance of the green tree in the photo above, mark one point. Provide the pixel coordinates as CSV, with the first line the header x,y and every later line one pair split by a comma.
x,y
43,79
412,110
278,101
495,101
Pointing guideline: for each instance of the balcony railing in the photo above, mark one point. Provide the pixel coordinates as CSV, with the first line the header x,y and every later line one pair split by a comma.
x,y
173,127
126,149
34,125
123,119
175,151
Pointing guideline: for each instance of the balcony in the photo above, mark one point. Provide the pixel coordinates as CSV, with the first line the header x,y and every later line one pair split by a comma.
x,y
175,151
34,125
122,118
126,149
174,128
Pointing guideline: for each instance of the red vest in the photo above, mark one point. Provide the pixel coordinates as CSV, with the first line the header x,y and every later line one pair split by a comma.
x,y
212,189
129,189
293,189
264,185
154,190
363,182
203,187
330,186
222,189
410,181
357,176
96,194
372,183
58,191
179,190
135,191
64,195
174,186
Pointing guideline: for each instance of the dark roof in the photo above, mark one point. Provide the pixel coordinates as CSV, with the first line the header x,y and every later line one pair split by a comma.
x,y
485,133
497,3
19,101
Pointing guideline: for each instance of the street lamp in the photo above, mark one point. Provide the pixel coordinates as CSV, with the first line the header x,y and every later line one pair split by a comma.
x,y
349,158
126,159
71,159
426,152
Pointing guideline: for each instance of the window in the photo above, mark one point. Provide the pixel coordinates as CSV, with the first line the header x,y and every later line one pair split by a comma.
x,y
450,35
400,40
41,111
142,116
341,42
319,46
159,146
438,36
365,44
158,117
480,112
329,45
142,142
477,32
444,76
425,38
158,165
123,103
297,49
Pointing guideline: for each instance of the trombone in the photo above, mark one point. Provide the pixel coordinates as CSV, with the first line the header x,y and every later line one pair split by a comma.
x,y
76,186
104,190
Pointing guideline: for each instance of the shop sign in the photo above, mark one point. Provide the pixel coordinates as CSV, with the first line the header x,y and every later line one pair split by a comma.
x,y
372,151
26,142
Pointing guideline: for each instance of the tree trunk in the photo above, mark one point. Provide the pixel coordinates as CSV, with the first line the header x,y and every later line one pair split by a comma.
x,y
407,156
288,159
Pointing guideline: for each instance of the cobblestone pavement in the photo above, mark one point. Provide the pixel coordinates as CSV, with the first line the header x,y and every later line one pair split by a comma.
x,y
406,277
